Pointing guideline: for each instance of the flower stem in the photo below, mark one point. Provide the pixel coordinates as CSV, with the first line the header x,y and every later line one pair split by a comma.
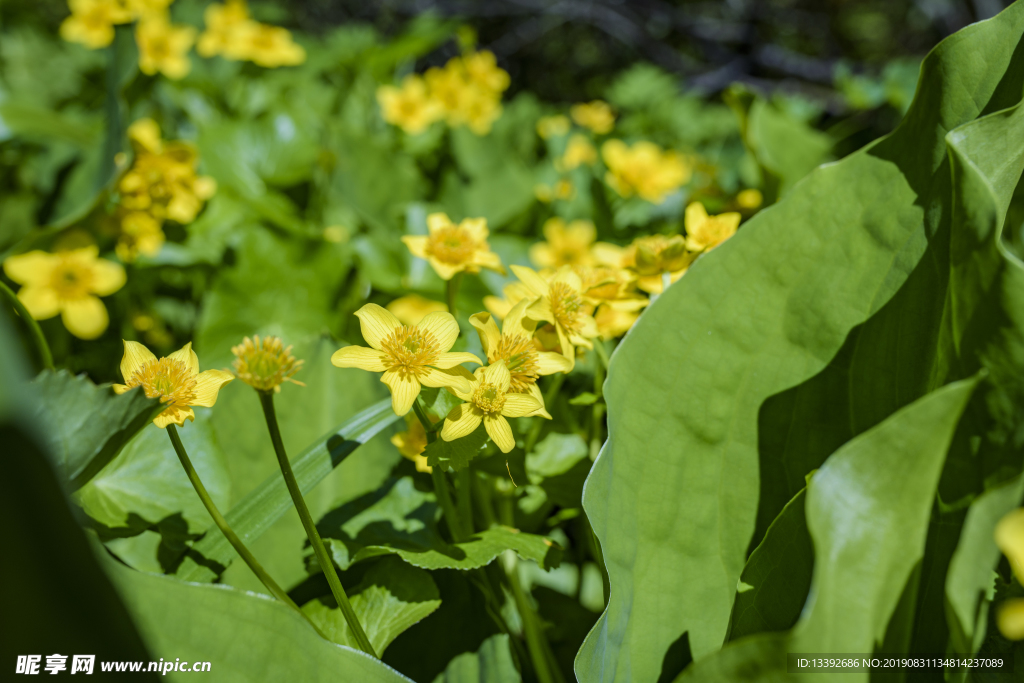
x,y
553,388
453,292
226,529
465,500
444,496
38,339
326,564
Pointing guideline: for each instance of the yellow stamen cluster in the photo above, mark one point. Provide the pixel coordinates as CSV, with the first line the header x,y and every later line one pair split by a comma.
x,y
565,306
167,378
465,92
265,364
161,184
451,244
489,398
408,349
520,355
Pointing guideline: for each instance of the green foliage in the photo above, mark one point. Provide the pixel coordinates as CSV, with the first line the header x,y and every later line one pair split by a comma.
x,y
94,423
492,663
886,284
455,455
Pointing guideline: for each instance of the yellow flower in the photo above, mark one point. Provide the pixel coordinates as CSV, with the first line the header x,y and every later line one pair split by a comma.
x,y
223,22
451,248
566,245
552,126
1009,535
514,293
596,115
413,308
644,169
579,151
611,289
144,135
513,345
412,442
92,22
448,86
410,107
175,379
69,283
266,45
706,232
264,364
140,234
749,199
657,254
164,48
614,321
408,355
484,72
560,302
482,110
488,400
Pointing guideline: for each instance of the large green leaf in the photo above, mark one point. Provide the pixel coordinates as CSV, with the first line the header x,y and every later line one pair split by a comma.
x,y
87,425
398,518
868,509
391,597
743,378
492,663
245,637
268,502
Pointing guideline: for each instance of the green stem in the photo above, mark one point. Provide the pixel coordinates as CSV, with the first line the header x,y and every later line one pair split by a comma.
x,y
267,401
465,500
549,397
444,496
453,292
226,529
38,339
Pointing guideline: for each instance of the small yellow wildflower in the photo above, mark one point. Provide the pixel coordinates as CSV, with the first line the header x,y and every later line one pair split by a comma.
x,y
482,110
514,346
553,126
563,189
176,380
644,169
566,245
140,234
468,90
611,290
596,115
92,22
410,107
412,442
408,355
514,293
69,283
163,48
706,232
578,152
488,400
560,302
449,88
484,72
749,199
223,25
264,364
265,45
413,308
451,248
658,256
1009,535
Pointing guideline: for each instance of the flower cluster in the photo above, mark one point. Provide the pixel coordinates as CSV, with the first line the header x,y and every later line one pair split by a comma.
x,y
69,283
465,92
164,46
644,169
233,34
161,184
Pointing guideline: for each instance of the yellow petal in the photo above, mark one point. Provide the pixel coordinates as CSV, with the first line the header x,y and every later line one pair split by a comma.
x,y
514,323
476,227
487,329
86,318
438,221
417,245
500,432
498,374
1011,619
107,277
208,384
442,326
564,344
461,421
41,302
488,259
359,357
541,310
187,357
32,268
695,216
376,323
519,405
174,416
445,271
404,390
120,388
1010,539
411,308
534,390
543,255
457,378
568,276
446,361
530,278
549,363
135,356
